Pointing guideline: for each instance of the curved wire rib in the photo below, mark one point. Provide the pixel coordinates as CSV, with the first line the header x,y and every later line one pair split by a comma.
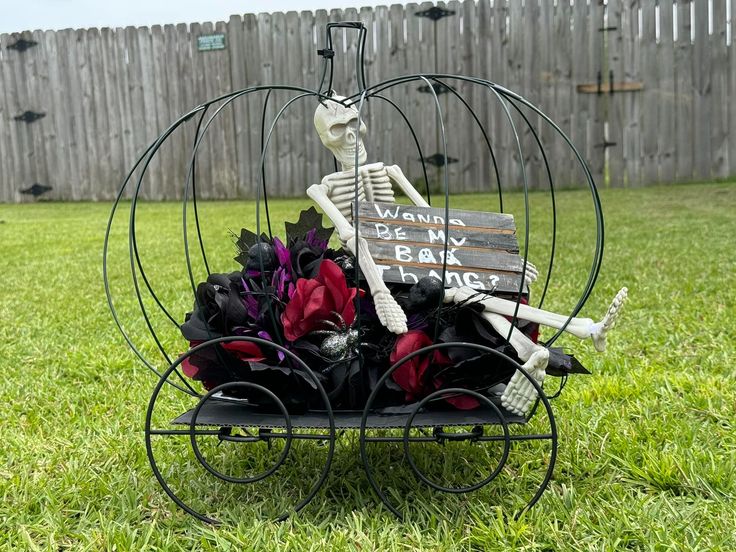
x,y
447,201
553,245
482,129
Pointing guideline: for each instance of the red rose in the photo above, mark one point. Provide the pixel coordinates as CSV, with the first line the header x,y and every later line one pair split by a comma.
x,y
203,365
410,376
316,299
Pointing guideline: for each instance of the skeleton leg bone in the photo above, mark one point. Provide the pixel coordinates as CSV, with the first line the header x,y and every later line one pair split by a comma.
x,y
520,393
582,328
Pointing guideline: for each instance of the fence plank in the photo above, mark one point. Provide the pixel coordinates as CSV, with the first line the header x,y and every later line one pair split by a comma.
x,y
666,104
702,91
719,92
632,106
732,94
684,95
10,160
616,68
580,74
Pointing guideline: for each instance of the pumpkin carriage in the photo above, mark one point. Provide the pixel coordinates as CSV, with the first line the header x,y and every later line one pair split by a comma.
x,y
408,324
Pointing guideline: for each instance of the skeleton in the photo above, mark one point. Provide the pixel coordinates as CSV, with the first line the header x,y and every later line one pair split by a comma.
x,y
338,128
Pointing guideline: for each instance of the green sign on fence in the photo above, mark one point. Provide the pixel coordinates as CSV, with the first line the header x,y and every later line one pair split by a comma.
x,y
205,43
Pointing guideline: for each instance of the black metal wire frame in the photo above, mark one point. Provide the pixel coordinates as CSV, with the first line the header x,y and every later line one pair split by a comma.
x,y
406,438
207,112
500,93
192,432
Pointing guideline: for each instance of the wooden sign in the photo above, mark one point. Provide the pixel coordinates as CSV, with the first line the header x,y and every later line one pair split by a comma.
x,y
408,243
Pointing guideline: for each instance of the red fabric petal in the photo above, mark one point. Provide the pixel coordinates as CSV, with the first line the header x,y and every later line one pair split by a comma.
x,y
463,402
317,303
189,369
244,350
409,376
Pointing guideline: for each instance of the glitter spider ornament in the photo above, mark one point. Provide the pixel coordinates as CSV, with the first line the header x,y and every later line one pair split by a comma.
x,y
339,341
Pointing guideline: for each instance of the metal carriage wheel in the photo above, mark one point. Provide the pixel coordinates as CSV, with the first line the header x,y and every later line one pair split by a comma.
x,y
489,416
211,418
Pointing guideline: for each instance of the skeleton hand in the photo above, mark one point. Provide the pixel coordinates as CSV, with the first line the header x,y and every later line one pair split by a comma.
x,y
388,310
520,393
390,313
601,329
531,274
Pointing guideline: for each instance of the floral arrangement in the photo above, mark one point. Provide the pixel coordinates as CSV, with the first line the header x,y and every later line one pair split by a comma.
x,y
306,296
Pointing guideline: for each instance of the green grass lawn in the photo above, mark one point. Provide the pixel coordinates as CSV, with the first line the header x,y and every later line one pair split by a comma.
x,y
647,455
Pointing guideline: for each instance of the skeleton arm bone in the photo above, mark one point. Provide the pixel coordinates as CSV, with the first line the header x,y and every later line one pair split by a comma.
x,y
389,312
395,174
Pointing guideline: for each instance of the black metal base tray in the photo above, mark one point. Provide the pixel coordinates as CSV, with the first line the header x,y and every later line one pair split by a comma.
x,y
230,414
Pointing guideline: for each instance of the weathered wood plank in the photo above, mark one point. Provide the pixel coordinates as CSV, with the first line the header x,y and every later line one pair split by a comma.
x,y
702,91
268,76
435,216
405,273
253,102
460,257
615,47
732,94
11,170
113,91
280,146
596,104
485,177
309,68
238,56
684,92
79,83
580,73
161,104
397,232
649,153
499,135
719,99
537,87
632,102
293,149
667,102
23,102
563,90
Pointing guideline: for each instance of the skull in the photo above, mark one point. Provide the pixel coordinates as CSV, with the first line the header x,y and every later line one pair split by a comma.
x,y
337,128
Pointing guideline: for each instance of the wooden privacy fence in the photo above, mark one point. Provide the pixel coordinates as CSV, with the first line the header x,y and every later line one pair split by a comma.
x,y
644,89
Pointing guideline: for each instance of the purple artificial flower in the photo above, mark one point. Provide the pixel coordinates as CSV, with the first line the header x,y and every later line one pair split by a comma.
x,y
312,240
280,280
282,254
250,302
263,334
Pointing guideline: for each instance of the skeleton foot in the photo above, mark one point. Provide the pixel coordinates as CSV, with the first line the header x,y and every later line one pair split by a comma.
x,y
520,393
600,329
390,313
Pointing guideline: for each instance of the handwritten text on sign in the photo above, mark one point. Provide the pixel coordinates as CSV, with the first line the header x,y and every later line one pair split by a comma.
x,y
479,249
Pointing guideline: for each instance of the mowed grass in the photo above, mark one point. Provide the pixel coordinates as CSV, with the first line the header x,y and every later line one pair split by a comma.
x,y
647,457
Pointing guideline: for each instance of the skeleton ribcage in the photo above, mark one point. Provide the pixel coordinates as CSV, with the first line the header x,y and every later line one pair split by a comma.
x,y
373,185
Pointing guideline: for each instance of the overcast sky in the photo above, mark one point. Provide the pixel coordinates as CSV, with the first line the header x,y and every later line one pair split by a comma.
x,y
21,15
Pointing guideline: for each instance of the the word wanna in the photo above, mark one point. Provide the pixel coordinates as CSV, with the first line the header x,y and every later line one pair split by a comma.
x,y
415,217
